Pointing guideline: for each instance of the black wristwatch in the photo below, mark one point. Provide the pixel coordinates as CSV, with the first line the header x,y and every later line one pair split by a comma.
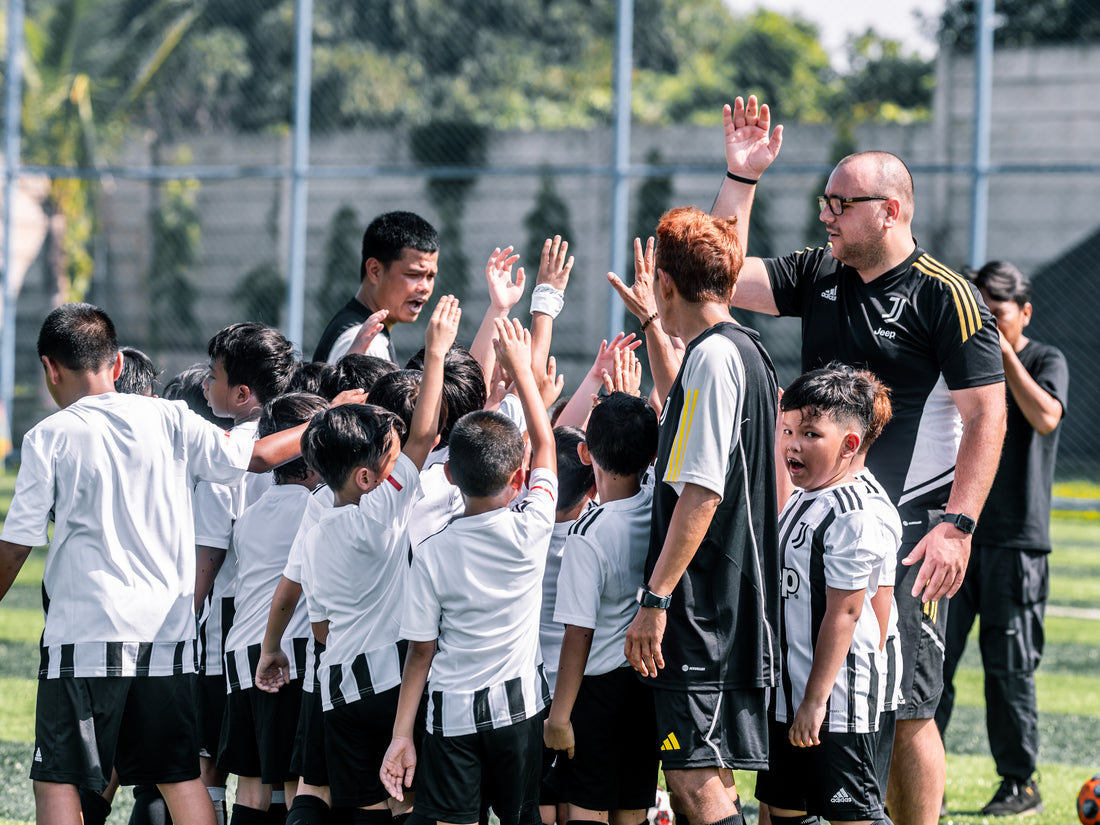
x,y
647,598
961,521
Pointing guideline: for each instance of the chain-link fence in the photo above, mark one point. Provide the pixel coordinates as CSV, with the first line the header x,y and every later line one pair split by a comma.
x,y
161,167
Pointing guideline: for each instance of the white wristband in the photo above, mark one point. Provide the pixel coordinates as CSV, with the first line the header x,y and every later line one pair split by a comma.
x,y
547,300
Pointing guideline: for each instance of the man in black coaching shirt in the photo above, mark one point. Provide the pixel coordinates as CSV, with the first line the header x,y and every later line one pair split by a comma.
x,y
875,300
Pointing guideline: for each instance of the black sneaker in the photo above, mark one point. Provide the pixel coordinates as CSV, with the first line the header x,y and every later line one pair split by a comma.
x,y
1015,797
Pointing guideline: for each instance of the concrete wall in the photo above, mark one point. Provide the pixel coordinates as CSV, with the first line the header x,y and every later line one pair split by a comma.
x,y
1045,109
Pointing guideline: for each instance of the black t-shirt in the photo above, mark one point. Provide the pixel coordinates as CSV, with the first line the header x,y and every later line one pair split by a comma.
x,y
1017,512
352,314
923,330
723,622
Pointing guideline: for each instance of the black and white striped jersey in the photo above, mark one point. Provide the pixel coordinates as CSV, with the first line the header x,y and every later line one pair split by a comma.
x,y
262,539
117,472
355,562
475,588
839,538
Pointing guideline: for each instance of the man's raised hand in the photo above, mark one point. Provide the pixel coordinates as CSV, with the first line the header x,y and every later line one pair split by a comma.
x,y
751,143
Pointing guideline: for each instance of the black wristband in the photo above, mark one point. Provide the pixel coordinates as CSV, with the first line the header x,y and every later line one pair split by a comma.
x,y
739,179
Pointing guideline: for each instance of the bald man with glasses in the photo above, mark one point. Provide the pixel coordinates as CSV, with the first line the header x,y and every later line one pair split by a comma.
x,y
870,297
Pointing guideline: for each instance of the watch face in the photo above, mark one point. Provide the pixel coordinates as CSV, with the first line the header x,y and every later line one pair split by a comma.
x,y
962,521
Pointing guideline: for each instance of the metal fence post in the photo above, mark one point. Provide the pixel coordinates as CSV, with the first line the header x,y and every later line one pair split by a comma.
x,y
13,119
620,186
299,208
983,92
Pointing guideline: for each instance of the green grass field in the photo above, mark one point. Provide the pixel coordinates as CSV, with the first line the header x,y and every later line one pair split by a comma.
x,y
1069,691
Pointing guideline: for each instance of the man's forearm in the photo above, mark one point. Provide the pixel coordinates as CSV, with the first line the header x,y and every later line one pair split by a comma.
x,y
976,464
688,526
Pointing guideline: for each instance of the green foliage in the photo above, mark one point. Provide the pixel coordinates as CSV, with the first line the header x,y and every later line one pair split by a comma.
x,y
886,84
1022,23
260,294
176,236
343,255
461,143
549,216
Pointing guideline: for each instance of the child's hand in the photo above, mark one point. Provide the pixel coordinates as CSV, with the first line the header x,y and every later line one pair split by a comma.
x,y
443,327
554,267
349,397
500,386
550,383
368,332
504,293
398,767
559,737
605,358
806,727
271,671
639,298
513,346
625,374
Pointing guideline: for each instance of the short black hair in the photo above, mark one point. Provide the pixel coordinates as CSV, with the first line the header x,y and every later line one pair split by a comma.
x,y
257,356
622,434
79,337
187,387
285,412
464,388
575,478
391,233
138,373
848,396
398,392
355,372
342,438
1003,282
309,376
486,449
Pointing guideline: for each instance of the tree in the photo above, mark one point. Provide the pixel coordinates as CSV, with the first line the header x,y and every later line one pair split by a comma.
x,y
885,84
1022,23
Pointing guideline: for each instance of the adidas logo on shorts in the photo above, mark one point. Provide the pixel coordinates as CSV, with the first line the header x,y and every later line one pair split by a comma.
x,y
38,754
671,743
841,797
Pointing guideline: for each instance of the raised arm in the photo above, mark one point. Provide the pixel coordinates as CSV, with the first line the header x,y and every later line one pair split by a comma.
x,y
664,358
368,332
286,445
578,409
504,293
442,329
945,551
513,348
555,264
751,146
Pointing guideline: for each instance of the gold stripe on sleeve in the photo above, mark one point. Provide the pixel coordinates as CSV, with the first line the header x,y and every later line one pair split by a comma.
x,y
683,432
966,305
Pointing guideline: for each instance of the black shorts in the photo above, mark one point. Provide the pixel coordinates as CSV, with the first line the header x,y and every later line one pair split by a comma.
x,y
143,726
211,710
712,729
500,765
356,738
258,733
547,795
308,759
922,629
884,746
614,766
835,780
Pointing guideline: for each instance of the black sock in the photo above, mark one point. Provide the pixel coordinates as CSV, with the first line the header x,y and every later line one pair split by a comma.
x,y
307,810
276,811
736,819
376,817
243,815
400,819
583,822
805,819
149,807
95,808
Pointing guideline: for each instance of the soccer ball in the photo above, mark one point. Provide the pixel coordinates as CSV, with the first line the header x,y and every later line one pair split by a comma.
x,y
1088,802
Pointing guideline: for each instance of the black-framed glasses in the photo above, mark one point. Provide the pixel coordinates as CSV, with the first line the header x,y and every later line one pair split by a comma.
x,y
836,203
